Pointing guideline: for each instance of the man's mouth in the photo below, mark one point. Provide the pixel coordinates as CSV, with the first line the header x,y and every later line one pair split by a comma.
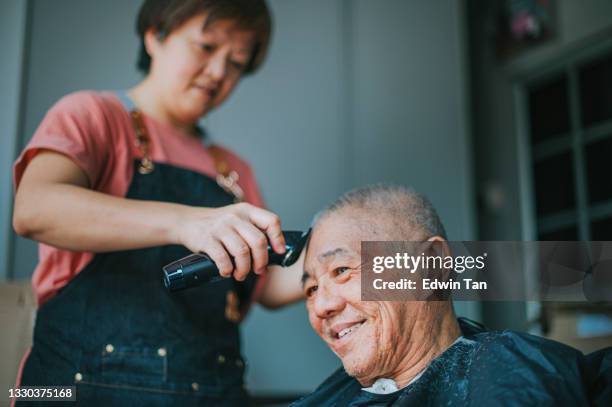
x,y
348,331
343,331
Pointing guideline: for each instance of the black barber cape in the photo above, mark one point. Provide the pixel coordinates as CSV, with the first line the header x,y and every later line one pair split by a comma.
x,y
489,369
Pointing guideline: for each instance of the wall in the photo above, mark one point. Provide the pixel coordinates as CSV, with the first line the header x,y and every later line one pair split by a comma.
x,y
493,120
407,74
73,45
352,92
12,38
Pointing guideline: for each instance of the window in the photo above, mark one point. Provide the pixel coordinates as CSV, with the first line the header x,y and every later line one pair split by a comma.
x,y
564,114
568,121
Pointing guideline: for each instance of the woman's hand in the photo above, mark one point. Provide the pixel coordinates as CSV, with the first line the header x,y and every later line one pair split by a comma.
x,y
235,237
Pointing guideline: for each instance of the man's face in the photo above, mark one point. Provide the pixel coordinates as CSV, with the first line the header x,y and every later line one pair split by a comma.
x,y
366,335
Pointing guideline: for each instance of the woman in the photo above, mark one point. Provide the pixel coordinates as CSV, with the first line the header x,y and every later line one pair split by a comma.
x,y
114,186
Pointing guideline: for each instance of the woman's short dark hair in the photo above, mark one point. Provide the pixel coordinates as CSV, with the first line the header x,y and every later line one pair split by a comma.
x,y
167,15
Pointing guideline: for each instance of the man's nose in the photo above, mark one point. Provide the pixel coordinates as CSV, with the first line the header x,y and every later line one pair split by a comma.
x,y
328,302
216,66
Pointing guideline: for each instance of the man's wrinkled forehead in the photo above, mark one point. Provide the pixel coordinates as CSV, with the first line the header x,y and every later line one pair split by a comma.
x,y
333,238
328,256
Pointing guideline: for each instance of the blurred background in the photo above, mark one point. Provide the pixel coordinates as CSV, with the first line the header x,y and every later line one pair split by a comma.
x,y
499,111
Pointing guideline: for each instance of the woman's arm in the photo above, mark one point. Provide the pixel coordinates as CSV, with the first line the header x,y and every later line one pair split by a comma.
x,y
54,205
283,285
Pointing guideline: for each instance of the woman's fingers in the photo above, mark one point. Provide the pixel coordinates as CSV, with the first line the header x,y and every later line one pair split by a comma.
x,y
258,244
240,251
270,224
217,253
236,238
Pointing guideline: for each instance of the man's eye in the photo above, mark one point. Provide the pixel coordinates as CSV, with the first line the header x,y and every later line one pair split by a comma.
x,y
311,290
341,270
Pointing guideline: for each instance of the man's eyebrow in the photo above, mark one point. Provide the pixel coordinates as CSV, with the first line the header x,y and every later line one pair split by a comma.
x,y
331,253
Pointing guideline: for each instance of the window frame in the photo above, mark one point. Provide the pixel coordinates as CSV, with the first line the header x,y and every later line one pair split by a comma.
x,y
568,62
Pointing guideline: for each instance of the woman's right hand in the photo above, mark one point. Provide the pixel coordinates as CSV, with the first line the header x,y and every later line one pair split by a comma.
x,y
235,237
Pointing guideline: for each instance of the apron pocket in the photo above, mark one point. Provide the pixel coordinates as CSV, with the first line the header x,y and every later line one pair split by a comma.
x,y
142,372
130,363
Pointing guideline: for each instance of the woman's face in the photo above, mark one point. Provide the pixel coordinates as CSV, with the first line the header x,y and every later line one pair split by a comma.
x,y
195,70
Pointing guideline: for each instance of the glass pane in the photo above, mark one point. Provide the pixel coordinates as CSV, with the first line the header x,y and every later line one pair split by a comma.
x,y
554,184
601,229
595,81
599,170
570,233
548,109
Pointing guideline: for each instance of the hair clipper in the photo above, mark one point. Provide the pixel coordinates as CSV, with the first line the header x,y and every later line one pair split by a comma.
x,y
197,268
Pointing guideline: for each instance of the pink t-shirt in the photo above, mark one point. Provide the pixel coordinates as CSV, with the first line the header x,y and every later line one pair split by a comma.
x,y
95,130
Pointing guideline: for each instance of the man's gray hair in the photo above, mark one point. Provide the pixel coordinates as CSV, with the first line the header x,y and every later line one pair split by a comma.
x,y
403,205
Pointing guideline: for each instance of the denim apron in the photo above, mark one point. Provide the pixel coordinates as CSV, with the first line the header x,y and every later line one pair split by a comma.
x,y
121,338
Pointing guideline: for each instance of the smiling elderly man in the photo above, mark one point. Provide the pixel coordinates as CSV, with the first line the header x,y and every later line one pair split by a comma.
x,y
416,353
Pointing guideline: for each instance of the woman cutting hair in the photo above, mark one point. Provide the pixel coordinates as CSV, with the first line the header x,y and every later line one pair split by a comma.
x,y
114,185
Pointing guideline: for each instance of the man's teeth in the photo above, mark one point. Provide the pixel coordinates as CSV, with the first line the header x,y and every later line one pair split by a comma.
x,y
348,330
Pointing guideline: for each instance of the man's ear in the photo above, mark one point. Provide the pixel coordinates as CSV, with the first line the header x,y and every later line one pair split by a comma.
x,y
439,246
436,239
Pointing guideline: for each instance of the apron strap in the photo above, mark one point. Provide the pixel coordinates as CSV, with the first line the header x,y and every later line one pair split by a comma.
x,y
143,142
226,177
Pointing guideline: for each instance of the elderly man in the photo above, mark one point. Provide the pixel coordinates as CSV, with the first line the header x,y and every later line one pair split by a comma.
x,y
416,353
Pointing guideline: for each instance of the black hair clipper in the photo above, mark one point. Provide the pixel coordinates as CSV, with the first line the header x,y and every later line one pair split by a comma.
x,y
197,268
